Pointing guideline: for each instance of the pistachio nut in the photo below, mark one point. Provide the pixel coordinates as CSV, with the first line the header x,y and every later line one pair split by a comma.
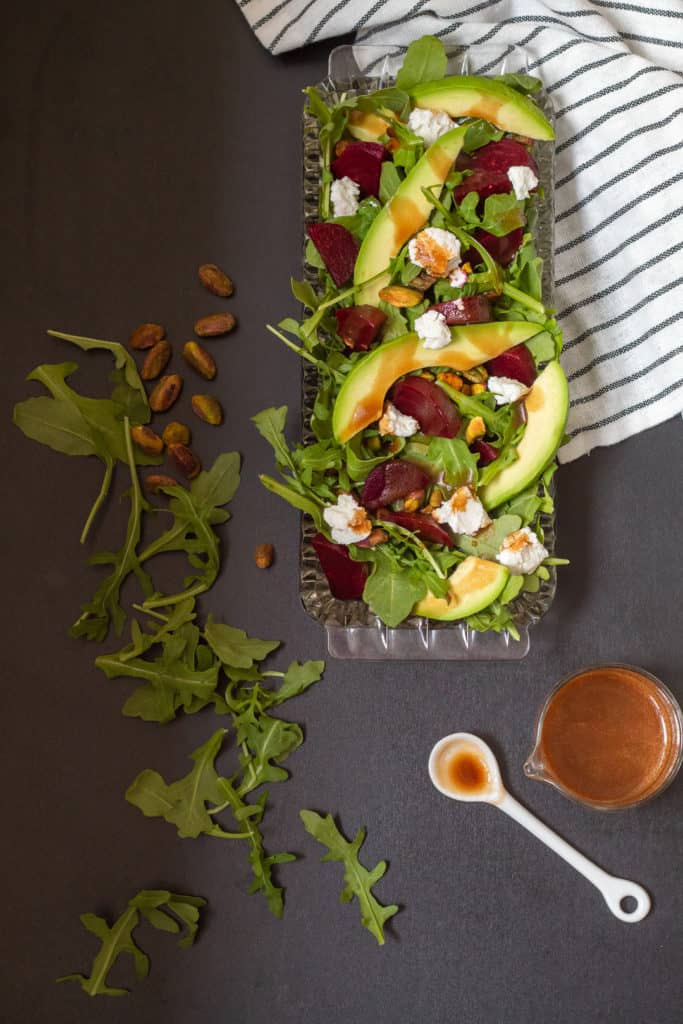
x,y
165,392
156,360
199,359
215,280
175,433
146,335
208,409
214,325
146,439
185,460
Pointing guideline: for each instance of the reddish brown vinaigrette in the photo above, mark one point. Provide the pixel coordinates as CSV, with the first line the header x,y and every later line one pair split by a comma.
x,y
463,770
610,736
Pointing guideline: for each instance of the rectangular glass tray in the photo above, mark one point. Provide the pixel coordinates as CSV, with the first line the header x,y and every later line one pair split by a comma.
x,y
353,631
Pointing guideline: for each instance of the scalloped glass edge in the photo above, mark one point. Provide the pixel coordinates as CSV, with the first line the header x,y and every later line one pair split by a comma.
x,y
353,632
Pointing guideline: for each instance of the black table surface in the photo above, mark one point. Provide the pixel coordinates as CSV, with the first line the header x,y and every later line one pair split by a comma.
x,y
140,140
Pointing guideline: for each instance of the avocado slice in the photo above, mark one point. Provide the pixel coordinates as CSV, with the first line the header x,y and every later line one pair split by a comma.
x,y
405,213
361,398
547,405
470,96
365,126
474,585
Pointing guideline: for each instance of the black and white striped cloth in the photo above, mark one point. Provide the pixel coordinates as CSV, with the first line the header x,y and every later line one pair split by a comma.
x,y
614,70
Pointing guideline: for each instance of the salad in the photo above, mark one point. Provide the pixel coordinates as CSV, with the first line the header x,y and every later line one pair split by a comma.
x,y
440,399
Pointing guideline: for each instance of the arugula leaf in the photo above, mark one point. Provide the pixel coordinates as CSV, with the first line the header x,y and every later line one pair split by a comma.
x,y
523,83
480,133
389,181
195,512
392,590
179,677
425,61
183,803
452,457
270,424
122,358
233,646
76,425
162,909
358,880
487,542
93,623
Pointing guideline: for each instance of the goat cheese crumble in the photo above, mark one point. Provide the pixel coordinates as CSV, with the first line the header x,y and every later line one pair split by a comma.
x,y
435,250
344,193
432,329
521,552
429,124
348,521
463,512
523,180
505,389
397,423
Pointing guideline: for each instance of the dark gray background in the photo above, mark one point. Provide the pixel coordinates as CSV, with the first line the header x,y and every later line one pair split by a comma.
x,y
139,141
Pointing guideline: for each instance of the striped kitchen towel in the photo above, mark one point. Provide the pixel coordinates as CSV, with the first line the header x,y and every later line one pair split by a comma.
x,y
614,70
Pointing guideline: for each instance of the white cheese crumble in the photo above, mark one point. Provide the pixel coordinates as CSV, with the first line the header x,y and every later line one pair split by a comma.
x,y
458,279
521,552
397,423
432,328
348,521
429,124
435,250
344,193
523,180
506,389
463,512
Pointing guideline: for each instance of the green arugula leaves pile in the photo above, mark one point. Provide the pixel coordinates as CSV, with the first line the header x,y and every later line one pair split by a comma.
x,y
358,880
166,911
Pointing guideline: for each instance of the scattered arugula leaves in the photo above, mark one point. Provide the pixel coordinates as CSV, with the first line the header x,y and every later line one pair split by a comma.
x,y
358,881
166,911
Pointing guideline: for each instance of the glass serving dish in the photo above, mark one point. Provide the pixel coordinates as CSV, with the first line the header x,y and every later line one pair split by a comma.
x,y
353,631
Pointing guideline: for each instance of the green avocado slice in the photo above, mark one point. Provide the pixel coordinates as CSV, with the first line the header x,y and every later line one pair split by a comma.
x,y
405,213
361,398
547,405
471,96
474,585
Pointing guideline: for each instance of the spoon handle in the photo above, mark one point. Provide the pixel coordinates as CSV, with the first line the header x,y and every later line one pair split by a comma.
x,y
614,890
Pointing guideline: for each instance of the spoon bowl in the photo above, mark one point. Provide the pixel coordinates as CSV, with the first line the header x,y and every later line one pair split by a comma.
x,y
463,767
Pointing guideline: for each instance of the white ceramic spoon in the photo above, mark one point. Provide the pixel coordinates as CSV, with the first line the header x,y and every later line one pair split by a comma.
x,y
463,767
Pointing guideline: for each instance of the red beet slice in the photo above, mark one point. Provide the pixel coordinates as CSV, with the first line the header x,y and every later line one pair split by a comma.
x,y
517,363
487,453
424,526
470,309
338,249
362,162
485,183
345,577
392,480
429,405
357,326
500,156
502,248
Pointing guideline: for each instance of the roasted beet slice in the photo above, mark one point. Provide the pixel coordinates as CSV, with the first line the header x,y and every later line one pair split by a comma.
x,y
470,309
345,577
486,183
392,480
338,249
502,248
357,326
424,526
431,407
362,162
517,363
486,452
500,156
